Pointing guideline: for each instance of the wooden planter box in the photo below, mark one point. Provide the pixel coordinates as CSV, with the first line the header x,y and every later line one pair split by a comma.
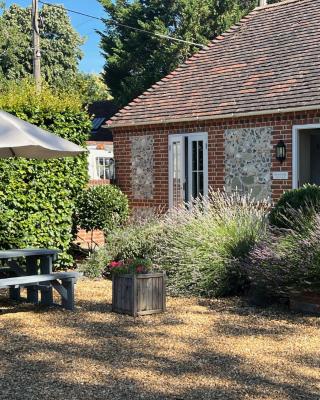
x,y
308,303
139,294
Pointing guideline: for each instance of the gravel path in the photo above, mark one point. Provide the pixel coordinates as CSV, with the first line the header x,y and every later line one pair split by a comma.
x,y
219,349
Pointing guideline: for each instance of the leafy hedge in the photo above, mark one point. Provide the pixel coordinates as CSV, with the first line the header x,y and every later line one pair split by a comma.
x,y
37,197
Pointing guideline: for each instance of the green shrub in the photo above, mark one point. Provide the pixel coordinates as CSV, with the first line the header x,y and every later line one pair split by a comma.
x,y
102,207
95,264
201,246
305,199
37,197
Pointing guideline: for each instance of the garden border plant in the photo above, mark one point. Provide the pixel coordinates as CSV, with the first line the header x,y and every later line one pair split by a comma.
x,y
136,240
287,262
199,247
203,243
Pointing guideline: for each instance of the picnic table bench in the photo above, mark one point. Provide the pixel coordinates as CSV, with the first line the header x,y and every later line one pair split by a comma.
x,y
32,269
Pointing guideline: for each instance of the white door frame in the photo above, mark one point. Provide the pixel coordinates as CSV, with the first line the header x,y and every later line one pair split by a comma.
x,y
295,150
172,138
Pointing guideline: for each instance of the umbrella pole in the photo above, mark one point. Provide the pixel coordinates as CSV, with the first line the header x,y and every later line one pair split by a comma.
x,y
12,152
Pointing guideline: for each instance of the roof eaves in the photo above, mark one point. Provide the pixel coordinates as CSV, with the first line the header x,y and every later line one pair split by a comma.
x,y
213,117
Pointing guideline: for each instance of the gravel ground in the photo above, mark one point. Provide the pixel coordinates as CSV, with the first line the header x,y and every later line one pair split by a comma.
x,y
219,349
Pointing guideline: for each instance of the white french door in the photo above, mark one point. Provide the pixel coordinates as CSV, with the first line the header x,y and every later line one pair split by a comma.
x,y
188,167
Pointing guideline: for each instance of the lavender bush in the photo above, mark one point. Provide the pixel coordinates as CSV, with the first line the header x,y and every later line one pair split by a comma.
x,y
202,243
199,245
287,261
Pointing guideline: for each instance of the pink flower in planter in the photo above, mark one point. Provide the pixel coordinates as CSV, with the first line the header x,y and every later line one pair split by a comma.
x,y
139,269
115,264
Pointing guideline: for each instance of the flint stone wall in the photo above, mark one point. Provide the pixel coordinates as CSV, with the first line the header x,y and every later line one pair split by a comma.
x,y
142,148
248,156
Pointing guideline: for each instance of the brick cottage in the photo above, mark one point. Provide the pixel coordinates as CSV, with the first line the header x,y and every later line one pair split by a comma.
x,y
221,119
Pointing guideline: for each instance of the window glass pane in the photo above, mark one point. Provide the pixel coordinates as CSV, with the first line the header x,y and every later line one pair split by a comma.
x,y
103,168
97,167
200,155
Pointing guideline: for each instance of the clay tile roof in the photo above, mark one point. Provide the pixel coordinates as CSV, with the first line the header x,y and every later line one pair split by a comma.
x,y
269,61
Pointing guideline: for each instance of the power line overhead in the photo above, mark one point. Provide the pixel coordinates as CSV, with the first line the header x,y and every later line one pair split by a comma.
x,y
167,37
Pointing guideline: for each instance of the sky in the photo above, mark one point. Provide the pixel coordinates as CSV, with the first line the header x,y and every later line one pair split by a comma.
x,y
92,61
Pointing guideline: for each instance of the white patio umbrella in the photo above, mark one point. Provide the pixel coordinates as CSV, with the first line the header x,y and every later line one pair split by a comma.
x,y
21,139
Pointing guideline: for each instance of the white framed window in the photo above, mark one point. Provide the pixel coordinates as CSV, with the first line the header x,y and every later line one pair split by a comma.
x,y
104,167
100,163
188,167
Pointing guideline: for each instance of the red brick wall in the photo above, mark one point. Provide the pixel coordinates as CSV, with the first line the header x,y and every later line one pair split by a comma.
x,y
282,129
84,238
96,182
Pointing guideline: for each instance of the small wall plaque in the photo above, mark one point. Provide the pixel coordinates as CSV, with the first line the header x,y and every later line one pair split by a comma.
x,y
280,175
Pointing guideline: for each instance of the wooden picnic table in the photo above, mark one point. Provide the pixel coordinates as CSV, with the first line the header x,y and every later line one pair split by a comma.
x,y
32,268
29,252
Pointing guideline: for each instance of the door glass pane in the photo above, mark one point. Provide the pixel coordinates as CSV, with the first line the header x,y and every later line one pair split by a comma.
x,y
188,168
200,180
200,155
197,183
194,184
194,155
177,189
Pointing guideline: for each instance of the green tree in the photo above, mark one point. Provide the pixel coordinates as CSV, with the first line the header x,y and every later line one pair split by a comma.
x,y
60,51
102,207
90,87
136,60
60,44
